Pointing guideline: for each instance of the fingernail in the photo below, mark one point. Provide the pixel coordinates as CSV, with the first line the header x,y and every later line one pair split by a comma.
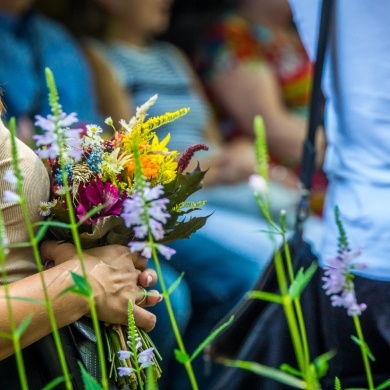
x,y
160,299
149,280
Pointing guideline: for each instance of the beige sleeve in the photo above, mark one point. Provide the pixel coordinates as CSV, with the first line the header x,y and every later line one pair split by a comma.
x,y
20,262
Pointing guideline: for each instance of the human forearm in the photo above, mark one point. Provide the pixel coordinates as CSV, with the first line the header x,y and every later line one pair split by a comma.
x,y
25,296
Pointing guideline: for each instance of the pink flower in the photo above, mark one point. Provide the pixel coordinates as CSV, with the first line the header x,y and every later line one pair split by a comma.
x,y
96,193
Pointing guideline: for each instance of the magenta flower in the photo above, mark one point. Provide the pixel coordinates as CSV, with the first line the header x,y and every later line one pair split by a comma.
x,y
96,193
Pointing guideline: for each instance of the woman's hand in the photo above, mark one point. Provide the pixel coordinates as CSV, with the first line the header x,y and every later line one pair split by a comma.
x,y
115,275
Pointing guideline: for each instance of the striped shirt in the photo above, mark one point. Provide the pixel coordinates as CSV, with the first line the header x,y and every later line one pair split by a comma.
x,y
160,69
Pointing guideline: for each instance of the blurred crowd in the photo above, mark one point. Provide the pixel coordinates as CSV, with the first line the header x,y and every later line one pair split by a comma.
x,y
226,60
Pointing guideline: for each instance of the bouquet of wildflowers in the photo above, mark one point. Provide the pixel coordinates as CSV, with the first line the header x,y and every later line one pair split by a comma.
x,y
108,183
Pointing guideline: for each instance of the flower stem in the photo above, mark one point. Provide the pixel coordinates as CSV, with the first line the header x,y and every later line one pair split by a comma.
x,y
179,340
37,257
15,336
363,350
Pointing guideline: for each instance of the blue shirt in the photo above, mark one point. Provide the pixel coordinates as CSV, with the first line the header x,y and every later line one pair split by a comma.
x,y
356,84
30,44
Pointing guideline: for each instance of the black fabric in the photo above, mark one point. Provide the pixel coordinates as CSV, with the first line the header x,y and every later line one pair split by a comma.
x,y
337,328
42,364
259,332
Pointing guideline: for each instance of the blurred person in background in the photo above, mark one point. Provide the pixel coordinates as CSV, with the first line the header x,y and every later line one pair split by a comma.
x,y
252,62
224,259
29,43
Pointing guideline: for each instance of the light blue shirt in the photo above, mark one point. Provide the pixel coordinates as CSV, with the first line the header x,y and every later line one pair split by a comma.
x,y
356,84
28,46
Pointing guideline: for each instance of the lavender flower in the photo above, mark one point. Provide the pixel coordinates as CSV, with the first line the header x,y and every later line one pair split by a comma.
x,y
9,176
146,211
145,358
146,249
57,132
258,184
125,371
123,355
338,281
10,197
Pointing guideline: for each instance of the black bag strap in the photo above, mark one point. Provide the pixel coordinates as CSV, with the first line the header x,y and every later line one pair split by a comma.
x,y
315,119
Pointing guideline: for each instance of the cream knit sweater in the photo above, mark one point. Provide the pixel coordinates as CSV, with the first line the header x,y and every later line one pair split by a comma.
x,y
20,262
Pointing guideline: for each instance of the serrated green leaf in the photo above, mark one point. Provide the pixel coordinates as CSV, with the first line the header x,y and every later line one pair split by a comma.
x,y
90,382
301,280
184,229
268,372
364,346
181,357
184,185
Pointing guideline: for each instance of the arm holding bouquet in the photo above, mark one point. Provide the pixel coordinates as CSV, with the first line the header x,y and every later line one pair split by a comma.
x,y
114,272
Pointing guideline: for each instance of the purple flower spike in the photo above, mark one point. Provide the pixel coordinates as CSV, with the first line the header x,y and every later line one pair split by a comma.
x,y
338,281
187,155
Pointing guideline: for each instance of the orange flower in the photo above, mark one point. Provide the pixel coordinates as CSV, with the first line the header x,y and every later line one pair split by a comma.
x,y
149,167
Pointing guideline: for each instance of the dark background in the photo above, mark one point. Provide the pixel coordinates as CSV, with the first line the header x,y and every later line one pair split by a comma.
x,y
189,18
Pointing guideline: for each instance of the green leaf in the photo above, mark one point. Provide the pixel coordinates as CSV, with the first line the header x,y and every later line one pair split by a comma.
x,y
184,185
174,285
54,383
384,385
184,229
301,280
80,286
41,233
89,381
290,370
265,296
23,326
181,357
268,372
6,336
151,383
207,341
365,347
321,363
